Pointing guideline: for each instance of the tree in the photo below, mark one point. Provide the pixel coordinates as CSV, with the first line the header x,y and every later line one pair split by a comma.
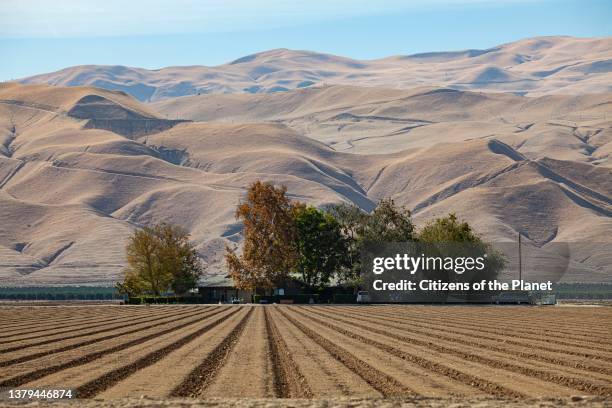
x,y
388,223
321,248
352,220
179,257
131,286
160,257
188,274
459,239
448,229
145,269
269,251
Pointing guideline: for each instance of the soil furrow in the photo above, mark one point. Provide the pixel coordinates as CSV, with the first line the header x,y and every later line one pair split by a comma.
x,y
581,350
36,374
94,387
62,357
202,376
501,345
534,318
77,376
383,383
480,383
32,356
552,376
309,351
106,328
326,376
288,381
175,366
529,325
29,316
42,324
249,364
60,329
26,321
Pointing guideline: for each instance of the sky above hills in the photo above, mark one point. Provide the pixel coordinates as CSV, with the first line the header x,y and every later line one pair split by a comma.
x,y
36,38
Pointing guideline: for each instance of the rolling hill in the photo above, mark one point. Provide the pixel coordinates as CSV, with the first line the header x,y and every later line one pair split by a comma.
x,y
535,66
81,167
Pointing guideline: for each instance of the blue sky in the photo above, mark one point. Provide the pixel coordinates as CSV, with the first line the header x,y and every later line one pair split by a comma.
x,y
38,36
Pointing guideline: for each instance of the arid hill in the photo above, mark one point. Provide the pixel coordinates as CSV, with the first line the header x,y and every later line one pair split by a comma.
x,y
81,167
535,66
377,120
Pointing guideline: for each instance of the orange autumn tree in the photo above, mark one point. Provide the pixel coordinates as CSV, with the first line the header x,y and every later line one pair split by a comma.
x,y
269,251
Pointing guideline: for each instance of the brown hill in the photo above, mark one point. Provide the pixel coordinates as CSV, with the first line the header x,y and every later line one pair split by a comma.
x,y
77,174
535,66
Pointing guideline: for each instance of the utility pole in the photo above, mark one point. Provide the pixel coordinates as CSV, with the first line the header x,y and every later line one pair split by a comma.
x,y
520,258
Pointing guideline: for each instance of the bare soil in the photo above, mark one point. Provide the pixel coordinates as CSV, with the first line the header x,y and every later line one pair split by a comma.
x,y
323,403
310,356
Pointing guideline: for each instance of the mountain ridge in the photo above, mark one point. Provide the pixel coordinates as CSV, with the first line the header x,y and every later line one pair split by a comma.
x,y
533,66
70,194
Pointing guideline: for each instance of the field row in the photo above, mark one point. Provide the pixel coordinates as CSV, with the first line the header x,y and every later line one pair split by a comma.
x,y
308,351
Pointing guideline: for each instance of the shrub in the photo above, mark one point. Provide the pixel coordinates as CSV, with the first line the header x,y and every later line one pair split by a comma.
x,y
303,298
344,298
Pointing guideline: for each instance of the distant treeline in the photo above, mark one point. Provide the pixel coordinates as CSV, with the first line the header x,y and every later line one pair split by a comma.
x,y
583,290
562,290
60,293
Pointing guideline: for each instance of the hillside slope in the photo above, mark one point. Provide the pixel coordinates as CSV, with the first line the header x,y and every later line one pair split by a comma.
x,y
378,120
79,171
534,66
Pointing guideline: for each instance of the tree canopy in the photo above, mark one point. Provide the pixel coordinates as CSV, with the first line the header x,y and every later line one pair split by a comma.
x,y
450,230
284,238
160,258
269,251
322,249
388,223
447,229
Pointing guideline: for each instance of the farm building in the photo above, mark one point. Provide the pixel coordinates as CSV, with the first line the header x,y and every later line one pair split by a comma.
x,y
221,288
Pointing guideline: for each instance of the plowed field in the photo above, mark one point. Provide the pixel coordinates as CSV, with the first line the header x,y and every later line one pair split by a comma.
x,y
322,352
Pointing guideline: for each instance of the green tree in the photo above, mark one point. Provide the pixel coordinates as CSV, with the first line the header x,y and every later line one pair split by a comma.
x,y
388,223
186,277
159,258
451,233
179,256
352,220
321,248
448,229
132,285
145,269
269,250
